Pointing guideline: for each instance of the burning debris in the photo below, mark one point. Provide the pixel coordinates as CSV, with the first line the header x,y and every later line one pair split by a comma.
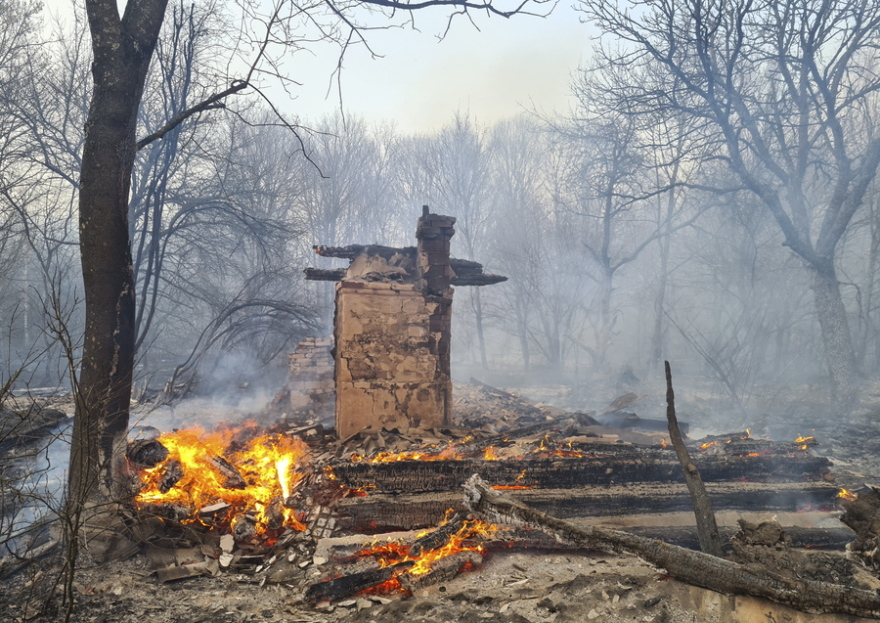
x,y
209,479
267,506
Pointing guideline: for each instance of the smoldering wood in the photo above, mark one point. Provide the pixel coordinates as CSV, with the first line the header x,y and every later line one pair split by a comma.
x,y
696,568
442,570
438,537
171,475
275,514
707,528
381,512
863,515
244,527
605,465
231,478
348,585
146,453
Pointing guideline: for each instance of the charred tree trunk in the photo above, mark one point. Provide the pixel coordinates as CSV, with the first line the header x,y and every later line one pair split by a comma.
x,y
122,49
477,302
839,352
707,528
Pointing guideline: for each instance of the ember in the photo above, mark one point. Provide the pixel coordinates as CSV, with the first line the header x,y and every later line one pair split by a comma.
x,y
202,471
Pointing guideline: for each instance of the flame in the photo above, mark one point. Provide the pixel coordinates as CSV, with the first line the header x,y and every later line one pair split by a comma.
x,y
456,451
847,495
708,445
256,479
389,553
804,439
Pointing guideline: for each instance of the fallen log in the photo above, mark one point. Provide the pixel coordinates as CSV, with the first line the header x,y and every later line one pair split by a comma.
x,y
685,565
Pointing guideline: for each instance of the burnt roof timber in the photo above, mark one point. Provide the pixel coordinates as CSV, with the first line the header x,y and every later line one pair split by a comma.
x,y
477,280
324,274
353,250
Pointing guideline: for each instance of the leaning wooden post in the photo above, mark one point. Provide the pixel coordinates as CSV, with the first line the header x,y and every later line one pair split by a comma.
x,y
707,528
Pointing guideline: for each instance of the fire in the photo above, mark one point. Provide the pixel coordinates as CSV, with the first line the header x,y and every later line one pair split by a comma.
x,y
847,495
465,539
708,445
489,454
203,469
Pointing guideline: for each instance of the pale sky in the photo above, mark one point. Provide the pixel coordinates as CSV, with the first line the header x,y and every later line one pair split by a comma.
x,y
506,67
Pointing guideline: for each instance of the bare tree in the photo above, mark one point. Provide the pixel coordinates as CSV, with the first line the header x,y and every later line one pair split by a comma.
x,y
779,89
123,47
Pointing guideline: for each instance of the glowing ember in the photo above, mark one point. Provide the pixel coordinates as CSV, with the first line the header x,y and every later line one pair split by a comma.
x,y
257,478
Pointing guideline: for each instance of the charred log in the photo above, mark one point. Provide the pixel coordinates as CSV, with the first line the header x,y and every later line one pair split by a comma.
x,y
231,478
602,465
442,570
380,512
692,567
146,453
171,475
348,585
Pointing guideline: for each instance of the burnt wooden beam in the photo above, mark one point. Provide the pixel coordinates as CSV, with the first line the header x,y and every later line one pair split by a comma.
x,y
351,251
390,512
602,465
477,280
324,274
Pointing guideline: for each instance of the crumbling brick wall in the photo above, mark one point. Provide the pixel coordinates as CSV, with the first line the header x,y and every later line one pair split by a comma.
x,y
310,386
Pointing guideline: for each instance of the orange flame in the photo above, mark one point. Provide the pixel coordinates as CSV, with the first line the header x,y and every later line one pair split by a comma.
x,y
847,495
266,466
392,552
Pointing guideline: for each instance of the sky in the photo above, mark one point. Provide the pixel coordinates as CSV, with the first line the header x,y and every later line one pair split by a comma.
x,y
506,67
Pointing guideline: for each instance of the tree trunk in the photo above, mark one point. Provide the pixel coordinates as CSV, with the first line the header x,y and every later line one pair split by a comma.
x,y
122,50
839,352
478,318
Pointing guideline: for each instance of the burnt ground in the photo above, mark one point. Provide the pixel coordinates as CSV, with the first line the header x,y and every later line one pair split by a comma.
x,y
513,587
510,586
